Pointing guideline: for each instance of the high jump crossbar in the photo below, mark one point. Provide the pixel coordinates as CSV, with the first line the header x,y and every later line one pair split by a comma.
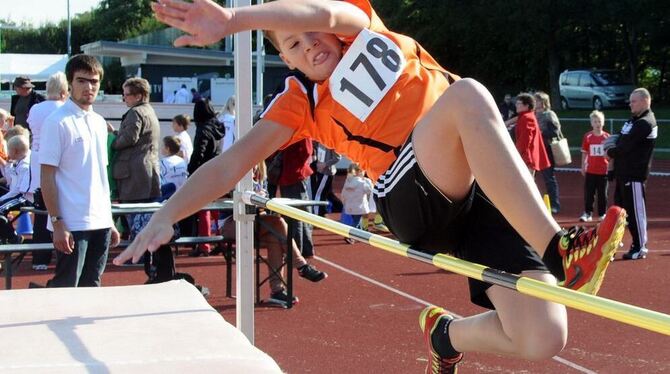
x,y
614,310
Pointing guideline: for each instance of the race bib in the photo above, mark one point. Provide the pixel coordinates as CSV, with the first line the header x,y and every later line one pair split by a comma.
x,y
368,70
596,150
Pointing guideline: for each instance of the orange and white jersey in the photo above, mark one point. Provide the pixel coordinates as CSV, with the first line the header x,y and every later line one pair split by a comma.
x,y
367,109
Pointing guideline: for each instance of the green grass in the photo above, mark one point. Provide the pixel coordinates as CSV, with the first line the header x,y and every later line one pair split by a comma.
x,y
574,130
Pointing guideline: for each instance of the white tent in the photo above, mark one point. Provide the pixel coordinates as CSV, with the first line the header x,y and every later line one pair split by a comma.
x,y
34,66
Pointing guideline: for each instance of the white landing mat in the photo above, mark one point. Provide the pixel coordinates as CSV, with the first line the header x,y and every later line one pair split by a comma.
x,y
162,328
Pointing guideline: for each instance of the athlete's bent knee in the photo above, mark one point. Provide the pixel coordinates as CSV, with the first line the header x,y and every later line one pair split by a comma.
x,y
472,102
543,343
469,89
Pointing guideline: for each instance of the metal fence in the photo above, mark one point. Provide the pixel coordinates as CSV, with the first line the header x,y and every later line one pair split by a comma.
x,y
575,128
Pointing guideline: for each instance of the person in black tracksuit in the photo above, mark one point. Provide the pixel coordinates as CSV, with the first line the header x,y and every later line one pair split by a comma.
x,y
632,159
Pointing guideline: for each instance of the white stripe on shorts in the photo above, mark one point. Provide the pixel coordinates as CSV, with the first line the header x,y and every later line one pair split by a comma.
x,y
398,169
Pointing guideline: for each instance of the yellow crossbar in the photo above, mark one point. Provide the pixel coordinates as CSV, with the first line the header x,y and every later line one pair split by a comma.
x,y
614,310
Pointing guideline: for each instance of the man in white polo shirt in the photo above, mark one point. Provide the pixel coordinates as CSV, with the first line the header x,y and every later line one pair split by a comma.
x,y
73,158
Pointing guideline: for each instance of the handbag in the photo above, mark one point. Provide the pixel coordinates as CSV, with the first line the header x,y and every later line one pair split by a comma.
x,y
560,150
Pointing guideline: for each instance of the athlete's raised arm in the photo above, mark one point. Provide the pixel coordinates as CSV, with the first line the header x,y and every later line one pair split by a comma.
x,y
208,22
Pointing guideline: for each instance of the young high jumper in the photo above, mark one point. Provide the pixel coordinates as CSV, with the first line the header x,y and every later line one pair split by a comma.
x,y
447,175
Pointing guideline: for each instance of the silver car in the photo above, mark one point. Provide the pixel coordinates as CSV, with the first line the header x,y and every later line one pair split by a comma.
x,y
596,89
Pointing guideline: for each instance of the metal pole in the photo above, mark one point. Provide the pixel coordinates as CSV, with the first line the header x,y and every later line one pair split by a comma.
x,y
228,40
260,64
244,226
69,31
1,25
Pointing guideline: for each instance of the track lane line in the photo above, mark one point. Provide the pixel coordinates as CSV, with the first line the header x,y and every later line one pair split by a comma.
x,y
558,359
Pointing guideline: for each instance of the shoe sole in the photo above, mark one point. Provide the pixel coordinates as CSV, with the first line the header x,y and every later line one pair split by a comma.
x,y
608,250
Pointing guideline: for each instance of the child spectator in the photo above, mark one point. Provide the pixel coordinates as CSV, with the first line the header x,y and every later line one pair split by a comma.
x,y
173,168
355,196
594,168
16,130
180,124
17,172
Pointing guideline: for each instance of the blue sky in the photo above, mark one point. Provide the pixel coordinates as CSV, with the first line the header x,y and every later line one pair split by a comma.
x,y
36,12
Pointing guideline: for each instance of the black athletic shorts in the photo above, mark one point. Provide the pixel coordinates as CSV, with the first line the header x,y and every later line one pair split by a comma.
x,y
417,213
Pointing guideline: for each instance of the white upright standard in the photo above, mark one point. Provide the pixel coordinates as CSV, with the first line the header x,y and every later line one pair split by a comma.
x,y
244,222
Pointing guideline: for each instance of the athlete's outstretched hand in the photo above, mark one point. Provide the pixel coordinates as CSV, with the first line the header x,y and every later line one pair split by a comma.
x,y
152,236
205,21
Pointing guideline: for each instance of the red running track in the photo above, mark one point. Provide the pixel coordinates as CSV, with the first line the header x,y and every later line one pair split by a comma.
x,y
364,317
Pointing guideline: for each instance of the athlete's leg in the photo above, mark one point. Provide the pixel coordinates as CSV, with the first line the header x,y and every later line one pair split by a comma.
x,y
463,137
521,326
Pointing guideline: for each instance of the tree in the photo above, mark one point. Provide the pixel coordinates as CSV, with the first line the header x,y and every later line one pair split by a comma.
x,y
508,45
121,19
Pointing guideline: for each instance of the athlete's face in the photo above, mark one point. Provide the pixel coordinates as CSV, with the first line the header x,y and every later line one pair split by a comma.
x,y
316,54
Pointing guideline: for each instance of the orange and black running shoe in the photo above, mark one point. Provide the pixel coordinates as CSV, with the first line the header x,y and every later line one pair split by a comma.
x,y
587,253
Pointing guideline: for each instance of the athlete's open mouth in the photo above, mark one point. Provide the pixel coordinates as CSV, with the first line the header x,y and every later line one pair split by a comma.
x,y
320,58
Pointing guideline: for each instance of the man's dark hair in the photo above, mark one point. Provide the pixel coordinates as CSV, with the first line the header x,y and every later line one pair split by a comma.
x,y
526,99
85,63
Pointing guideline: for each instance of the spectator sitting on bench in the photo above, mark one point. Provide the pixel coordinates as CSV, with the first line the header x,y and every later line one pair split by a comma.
x,y
272,234
17,172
